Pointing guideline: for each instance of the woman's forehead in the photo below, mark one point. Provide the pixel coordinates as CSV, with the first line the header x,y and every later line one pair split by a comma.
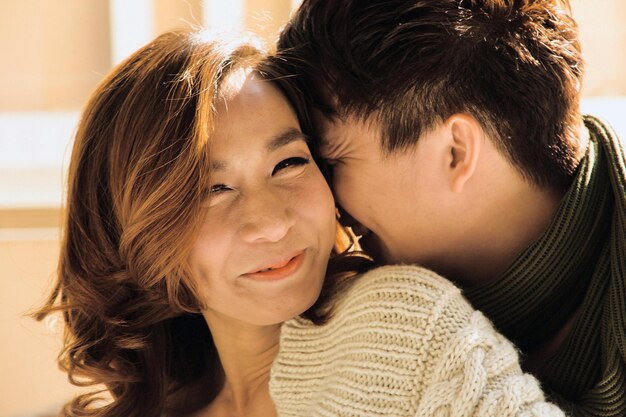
x,y
235,81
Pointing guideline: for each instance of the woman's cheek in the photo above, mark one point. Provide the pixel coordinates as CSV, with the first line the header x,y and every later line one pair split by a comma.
x,y
317,200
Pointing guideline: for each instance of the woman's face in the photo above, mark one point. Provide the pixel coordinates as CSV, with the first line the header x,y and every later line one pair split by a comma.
x,y
262,251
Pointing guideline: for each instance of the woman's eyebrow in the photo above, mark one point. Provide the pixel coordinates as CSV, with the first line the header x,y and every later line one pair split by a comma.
x,y
274,144
217,166
286,138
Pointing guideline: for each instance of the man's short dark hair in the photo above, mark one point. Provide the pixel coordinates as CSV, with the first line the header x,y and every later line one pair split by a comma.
x,y
515,65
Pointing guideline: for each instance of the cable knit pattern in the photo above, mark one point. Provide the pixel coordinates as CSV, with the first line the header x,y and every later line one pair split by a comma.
x,y
402,342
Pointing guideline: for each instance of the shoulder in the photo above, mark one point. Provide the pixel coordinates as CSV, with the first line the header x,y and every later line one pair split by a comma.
x,y
405,289
414,279
404,340
389,295
400,307
399,301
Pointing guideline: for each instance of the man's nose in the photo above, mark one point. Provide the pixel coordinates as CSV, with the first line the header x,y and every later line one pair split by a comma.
x,y
267,217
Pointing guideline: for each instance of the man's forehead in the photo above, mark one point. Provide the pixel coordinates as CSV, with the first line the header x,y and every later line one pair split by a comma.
x,y
340,136
347,124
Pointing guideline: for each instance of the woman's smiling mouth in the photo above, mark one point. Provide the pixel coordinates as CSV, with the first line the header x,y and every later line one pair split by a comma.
x,y
277,270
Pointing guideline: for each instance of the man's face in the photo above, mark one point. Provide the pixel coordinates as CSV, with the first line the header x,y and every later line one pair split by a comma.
x,y
400,197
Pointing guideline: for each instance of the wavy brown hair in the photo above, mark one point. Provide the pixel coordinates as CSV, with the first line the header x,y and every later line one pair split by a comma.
x,y
138,175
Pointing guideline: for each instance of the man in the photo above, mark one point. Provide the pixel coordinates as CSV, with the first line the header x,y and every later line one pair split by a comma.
x,y
454,135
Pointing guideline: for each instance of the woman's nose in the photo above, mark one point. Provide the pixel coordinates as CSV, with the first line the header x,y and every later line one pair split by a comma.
x,y
267,217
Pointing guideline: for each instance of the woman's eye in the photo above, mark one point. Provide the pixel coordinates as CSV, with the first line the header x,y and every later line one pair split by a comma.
x,y
218,188
289,163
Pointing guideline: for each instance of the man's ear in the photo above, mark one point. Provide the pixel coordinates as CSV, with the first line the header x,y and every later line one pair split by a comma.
x,y
465,138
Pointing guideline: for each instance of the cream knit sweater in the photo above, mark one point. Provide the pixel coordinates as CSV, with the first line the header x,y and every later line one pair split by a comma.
x,y
402,342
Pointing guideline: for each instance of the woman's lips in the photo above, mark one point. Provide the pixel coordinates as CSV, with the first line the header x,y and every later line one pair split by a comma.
x,y
278,270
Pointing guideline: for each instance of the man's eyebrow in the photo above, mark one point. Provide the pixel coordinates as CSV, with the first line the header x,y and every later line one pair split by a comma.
x,y
286,138
278,142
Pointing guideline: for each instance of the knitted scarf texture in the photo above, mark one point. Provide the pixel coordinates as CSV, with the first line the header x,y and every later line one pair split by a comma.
x,y
577,266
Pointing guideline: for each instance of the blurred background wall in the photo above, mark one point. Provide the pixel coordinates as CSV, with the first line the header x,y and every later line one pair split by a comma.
x,y
53,54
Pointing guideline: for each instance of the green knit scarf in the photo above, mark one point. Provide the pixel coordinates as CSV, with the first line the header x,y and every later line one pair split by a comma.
x,y
579,262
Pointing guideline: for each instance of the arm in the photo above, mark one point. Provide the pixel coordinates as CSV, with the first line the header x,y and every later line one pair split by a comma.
x,y
402,342
475,371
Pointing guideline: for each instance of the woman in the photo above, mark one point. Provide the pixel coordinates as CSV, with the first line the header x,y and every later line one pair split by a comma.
x,y
193,275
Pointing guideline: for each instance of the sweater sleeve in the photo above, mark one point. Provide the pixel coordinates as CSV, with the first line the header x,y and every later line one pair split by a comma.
x,y
403,342
475,371
471,369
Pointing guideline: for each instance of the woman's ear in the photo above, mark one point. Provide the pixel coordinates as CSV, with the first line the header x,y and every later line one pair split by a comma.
x,y
465,137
